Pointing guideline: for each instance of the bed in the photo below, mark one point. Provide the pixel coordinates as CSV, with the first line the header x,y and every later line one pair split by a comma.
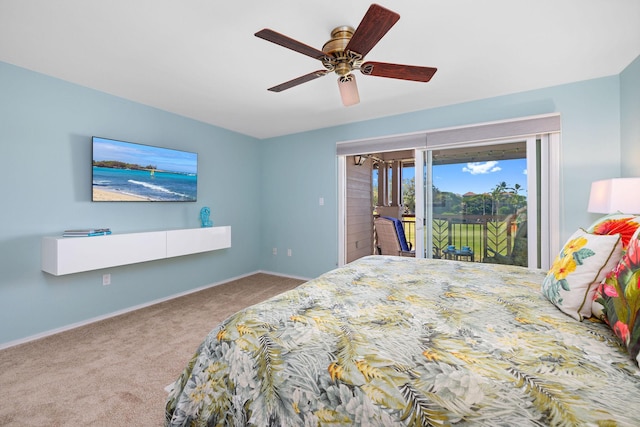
x,y
396,341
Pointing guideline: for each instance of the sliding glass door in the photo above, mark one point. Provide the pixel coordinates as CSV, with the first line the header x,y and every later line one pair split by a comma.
x,y
484,192
480,202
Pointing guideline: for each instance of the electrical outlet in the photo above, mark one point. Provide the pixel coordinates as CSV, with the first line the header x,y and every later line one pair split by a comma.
x,y
288,252
106,279
274,251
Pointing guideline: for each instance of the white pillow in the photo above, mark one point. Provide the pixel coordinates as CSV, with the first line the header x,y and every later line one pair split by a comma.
x,y
581,264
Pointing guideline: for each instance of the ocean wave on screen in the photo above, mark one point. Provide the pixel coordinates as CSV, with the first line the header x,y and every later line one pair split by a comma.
x,y
157,188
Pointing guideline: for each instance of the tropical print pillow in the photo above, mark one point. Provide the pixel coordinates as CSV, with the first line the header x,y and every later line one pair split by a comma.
x,y
619,295
617,223
583,262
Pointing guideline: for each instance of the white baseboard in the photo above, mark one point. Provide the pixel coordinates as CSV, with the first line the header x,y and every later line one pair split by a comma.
x,y
283,275
130,309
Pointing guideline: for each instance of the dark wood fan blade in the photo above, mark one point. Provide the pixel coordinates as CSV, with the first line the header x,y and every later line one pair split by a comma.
x,y
398,71
289,43
375,24
298,81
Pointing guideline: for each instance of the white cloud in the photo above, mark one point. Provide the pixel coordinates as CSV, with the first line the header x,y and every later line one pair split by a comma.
x,y
479,168
524,172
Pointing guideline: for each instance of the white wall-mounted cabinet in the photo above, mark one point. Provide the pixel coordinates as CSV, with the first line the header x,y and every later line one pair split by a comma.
x,y
67,255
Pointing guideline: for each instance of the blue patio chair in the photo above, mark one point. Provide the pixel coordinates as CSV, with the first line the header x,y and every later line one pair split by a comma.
x,y
391,239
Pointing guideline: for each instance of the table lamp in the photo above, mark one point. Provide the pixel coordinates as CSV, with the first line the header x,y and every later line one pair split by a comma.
x,y
615,195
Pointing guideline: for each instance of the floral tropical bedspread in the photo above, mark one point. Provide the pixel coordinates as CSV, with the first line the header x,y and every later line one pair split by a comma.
x,y
390,341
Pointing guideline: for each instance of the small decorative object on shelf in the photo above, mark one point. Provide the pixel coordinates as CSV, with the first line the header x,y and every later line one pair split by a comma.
x,y
205,212
87,232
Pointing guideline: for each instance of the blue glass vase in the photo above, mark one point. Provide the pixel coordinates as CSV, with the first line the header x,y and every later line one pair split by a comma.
x,y
205,213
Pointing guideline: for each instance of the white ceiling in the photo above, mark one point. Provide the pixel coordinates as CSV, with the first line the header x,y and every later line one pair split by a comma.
x,y
200,59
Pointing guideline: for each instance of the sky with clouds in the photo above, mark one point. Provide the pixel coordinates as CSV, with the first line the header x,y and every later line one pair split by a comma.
x,y
480,177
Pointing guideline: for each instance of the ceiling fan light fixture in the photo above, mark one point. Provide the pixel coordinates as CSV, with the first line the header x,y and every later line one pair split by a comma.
x,y
345,52
348,90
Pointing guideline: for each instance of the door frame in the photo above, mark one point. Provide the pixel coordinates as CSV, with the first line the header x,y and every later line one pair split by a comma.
x,y
544,127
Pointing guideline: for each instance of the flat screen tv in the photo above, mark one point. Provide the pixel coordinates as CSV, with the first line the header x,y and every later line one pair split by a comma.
x,y
130,172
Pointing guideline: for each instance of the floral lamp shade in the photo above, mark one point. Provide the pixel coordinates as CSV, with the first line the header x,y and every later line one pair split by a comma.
x,y
615,195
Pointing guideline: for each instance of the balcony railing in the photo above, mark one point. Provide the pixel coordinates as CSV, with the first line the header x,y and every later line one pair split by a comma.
x,y
479,232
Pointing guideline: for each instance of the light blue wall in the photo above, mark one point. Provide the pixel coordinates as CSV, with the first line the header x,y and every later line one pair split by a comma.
x,y
268,191
297,171
630,119
45,140
300,168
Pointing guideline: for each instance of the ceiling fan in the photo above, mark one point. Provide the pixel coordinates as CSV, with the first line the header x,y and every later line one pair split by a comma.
x,y
345,52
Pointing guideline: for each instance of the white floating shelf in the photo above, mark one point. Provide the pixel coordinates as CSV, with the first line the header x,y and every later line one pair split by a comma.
x,y
67,255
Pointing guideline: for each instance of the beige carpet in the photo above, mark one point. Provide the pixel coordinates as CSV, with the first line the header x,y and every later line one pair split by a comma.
x,y
113,372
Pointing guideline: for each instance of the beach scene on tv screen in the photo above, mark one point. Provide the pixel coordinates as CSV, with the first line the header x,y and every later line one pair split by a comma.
x,y
125,171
